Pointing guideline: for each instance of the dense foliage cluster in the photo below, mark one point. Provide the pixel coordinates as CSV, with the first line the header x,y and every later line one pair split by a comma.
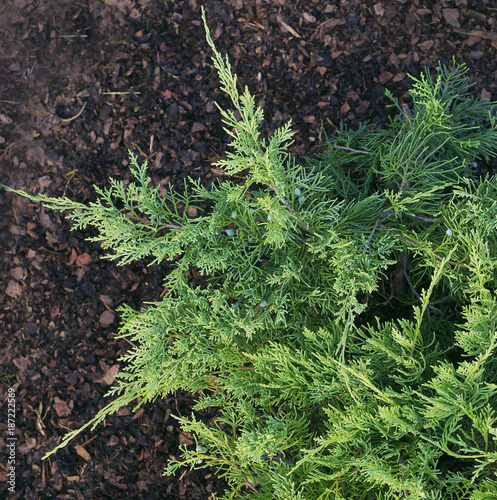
x,y
325,389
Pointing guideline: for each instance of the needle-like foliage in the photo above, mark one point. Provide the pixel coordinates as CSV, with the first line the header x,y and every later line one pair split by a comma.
x,y
346,329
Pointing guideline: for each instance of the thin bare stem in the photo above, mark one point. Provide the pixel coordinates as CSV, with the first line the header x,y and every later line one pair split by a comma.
x,y
352,150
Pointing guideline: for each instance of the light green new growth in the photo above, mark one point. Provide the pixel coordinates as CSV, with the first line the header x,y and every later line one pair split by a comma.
x,y
331,382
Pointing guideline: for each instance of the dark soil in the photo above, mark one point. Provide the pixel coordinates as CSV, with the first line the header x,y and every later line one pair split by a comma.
x,y
83,81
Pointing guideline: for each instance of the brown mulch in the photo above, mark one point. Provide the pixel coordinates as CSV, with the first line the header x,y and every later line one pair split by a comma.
x,y
80,84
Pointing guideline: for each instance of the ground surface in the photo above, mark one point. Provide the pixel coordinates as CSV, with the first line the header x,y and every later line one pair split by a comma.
x,y
81,82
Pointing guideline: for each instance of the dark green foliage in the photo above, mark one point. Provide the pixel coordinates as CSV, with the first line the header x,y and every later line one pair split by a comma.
x,y
324,389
